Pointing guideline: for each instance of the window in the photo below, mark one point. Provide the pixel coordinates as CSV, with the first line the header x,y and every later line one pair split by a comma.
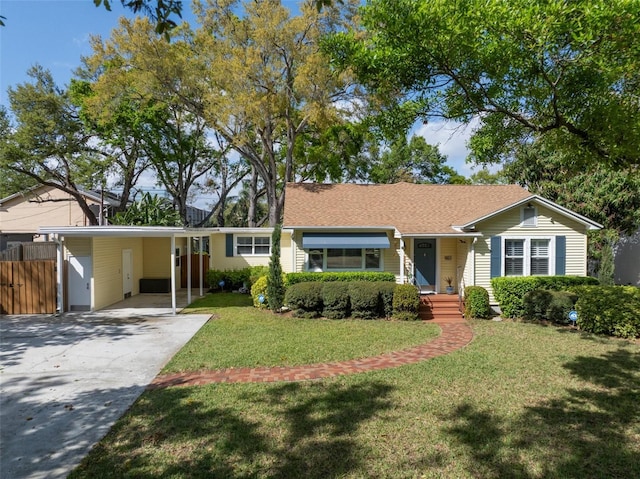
x,y
539,257
527,256
513,257
253,245
344,259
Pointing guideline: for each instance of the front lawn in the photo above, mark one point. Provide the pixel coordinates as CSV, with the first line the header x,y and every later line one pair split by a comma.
x,y
521,400
240,335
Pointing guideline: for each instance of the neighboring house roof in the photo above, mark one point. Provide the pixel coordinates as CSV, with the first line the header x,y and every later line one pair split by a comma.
x,y
412,209
109,198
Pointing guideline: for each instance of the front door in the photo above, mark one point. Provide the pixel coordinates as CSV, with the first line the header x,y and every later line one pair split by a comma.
x,y
425,263
79,281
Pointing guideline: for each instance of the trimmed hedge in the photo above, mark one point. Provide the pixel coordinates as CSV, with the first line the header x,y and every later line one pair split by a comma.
x,y
476,302
387,291
305,299
406,302
235,278
335,300
294,278
510,291
542,304
611,310
365,299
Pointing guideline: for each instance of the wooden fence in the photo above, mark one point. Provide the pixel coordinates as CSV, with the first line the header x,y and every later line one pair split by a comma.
x,y
195,270
28,287
30,252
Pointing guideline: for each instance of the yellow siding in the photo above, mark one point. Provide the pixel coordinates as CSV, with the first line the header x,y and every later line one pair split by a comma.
x,y
549,224
107,268
219,259
157,258
78,246
45,206
447,257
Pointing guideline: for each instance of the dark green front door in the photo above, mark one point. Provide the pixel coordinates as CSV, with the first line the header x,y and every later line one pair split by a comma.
x,y
425,262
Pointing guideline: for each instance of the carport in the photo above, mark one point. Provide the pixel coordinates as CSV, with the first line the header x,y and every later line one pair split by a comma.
x,y
109,258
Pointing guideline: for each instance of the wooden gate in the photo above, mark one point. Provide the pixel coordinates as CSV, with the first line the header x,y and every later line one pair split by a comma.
x,y
28,287
195,270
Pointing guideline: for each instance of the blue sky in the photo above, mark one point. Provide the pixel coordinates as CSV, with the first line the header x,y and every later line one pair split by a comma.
x,y
55,34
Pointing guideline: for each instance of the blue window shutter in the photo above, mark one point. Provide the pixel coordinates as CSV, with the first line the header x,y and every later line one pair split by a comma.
x,y
229,241
496,256
561,255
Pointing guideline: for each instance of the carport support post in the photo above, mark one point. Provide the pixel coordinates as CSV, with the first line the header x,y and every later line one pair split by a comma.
x,y
201,242
173,274
188,269
60,279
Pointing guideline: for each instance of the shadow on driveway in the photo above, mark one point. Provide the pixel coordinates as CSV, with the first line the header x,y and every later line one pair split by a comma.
x,y
64,380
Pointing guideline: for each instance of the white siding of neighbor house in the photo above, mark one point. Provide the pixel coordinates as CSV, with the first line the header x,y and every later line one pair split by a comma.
x,y
107,268
549,224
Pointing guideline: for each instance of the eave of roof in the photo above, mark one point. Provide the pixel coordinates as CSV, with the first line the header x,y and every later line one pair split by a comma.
x,y
592,225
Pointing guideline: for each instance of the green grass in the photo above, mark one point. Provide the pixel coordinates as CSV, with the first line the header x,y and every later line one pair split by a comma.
x,y
240,336
521,401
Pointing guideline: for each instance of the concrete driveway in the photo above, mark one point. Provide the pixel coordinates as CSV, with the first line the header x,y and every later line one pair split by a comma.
x,y
65,380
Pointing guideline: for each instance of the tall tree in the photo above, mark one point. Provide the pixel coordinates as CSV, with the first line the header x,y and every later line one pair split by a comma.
x,y
413,161
49,144
568,71
137,68
268,83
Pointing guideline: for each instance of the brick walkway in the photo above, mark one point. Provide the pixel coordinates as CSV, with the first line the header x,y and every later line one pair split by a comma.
x,y
454,335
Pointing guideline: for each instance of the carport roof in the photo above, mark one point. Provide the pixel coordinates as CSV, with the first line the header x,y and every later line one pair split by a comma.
x,y
132,231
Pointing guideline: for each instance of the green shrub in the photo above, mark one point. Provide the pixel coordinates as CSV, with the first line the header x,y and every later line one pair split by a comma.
x,y
365,299
611,310
233,278
546,305
510,291
562,302
476,302
260,288
256,272
406,302
335,300
386,290
305,299
536,303
294,278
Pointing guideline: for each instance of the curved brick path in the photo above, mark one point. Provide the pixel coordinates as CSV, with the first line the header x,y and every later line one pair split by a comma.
x,y
454,335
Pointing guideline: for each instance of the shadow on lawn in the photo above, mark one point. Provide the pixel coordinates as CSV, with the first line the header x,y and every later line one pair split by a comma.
x,y
589,433
281,431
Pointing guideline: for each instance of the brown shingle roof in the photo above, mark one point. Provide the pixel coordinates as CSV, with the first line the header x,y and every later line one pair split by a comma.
x,y
410,208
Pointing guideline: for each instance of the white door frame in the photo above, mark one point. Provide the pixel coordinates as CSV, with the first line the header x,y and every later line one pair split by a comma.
x,y
127,273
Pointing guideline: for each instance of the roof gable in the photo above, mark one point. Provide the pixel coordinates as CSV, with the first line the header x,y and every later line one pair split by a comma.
x,y
410,208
